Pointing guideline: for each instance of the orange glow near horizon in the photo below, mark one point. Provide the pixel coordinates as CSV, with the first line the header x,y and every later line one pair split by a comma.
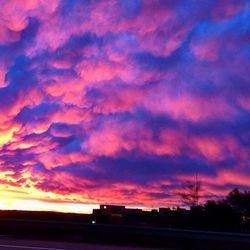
x,y
12,200
36,205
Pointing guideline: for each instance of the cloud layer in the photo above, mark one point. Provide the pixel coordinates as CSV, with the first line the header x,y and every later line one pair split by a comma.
x,y
123,101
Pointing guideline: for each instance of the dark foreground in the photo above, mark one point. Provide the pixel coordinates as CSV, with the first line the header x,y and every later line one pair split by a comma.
x,y
10,244
93,236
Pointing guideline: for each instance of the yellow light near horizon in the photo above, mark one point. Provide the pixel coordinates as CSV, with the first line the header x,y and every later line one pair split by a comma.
x,y
13,198
36,205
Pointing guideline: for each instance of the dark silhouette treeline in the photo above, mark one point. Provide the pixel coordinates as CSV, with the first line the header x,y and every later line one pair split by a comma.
x,y
230,214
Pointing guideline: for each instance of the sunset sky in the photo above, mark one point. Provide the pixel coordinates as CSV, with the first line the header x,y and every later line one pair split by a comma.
x,y
122,101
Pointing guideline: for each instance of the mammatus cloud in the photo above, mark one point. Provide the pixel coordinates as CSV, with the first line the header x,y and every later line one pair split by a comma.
x,y
122,101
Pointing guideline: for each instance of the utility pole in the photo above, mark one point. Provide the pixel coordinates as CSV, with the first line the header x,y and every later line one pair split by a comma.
x,y
191,192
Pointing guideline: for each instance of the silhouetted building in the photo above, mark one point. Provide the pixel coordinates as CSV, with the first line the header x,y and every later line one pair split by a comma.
x,y
132,211
163,211
116,211
112,210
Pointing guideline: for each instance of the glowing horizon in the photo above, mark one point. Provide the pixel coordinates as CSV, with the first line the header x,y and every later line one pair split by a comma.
x,y
122,101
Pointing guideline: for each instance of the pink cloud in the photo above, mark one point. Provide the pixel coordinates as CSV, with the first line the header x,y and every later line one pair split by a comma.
x,y
206,50
52,160
188,106
109,140
226,10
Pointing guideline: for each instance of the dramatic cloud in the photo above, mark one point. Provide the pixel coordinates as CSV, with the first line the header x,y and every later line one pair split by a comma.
x,y
122,101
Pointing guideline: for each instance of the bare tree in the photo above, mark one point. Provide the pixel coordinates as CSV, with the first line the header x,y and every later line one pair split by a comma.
x,y
191,192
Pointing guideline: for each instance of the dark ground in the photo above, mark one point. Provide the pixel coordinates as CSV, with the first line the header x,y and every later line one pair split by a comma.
x,y
84,234
11,243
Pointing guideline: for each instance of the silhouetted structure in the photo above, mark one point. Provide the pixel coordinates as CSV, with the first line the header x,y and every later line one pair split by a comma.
x,y
121,214
190,194
116,211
